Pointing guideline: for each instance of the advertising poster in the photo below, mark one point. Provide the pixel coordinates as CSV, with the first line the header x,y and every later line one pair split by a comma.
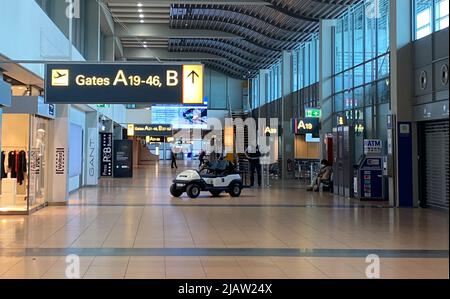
x,y
106,150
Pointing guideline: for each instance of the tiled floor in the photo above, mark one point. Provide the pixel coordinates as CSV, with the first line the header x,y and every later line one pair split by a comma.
x,y
133,228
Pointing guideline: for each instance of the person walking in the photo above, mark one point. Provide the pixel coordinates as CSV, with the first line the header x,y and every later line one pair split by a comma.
x,y
254,157
174,160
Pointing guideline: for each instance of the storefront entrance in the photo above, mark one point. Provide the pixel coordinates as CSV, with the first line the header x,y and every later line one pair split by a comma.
x,y
434,164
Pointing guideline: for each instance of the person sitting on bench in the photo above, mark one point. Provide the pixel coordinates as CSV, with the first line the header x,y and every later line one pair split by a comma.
x,y
324,174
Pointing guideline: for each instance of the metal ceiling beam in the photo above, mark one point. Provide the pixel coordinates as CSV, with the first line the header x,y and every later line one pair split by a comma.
x,y
247,24
248,37
224,49
197,2
241,11
163,54
290,13
231,57
162,30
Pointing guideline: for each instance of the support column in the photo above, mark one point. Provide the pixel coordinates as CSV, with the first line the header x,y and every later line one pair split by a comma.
x,y
92,36
403,191
262,89
91,163
109,48
287,137
325,76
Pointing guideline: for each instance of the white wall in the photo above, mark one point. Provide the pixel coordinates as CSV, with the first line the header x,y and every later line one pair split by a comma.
x,y
138,116
26,33
77,117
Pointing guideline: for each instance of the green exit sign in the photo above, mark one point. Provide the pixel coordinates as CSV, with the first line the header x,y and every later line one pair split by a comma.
x,y
313,112
103,105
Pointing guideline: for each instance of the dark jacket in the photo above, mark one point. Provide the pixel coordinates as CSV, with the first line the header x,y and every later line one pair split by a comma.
x,y
17,164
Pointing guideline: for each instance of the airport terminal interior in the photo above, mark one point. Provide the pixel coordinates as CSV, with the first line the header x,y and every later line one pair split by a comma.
x,y
258,139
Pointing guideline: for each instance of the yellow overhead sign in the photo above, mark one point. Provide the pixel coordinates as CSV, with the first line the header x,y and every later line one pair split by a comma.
x,y
193,84
130,130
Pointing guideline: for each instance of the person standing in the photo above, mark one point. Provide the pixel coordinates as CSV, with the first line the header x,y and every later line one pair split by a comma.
x,y
254,157
201,157
174,160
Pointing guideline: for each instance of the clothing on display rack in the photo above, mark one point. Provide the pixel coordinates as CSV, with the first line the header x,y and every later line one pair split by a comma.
x,y
17,165
3,170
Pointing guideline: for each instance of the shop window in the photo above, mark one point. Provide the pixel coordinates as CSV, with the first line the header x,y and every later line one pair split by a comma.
x,y
24,163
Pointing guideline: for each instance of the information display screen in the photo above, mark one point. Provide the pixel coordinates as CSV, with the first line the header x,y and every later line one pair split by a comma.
x,y
181,117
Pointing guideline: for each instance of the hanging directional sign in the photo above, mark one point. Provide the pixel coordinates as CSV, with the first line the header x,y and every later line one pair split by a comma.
x,y
192,84
106,83
150,130
309,125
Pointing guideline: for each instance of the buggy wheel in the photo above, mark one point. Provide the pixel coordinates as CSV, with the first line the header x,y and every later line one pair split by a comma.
x,y
174,191
193,190
235,190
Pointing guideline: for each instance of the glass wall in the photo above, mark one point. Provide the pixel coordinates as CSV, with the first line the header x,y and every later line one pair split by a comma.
x,y
305,64
254,92
273,91
361,71
430,16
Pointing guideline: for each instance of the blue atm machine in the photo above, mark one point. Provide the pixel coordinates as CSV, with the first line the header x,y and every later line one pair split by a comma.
x,y
368,178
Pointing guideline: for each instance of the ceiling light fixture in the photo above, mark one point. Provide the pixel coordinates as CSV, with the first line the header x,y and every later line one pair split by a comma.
x,y
145,46
140,10
141,16
142,21
139,4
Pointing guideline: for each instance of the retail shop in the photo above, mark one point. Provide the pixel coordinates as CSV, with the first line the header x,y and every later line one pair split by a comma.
x,y
431,112
25,135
